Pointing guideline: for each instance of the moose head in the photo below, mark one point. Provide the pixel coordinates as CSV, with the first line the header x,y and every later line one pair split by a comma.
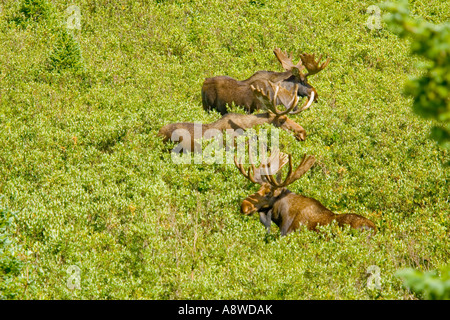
x,y
308,62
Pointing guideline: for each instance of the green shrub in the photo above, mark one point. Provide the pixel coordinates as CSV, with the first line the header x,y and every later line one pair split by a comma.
x,y
429,285
431,90
10,263
66,53
33,11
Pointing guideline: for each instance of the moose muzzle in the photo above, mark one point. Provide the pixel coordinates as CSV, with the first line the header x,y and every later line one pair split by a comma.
x,y
247,207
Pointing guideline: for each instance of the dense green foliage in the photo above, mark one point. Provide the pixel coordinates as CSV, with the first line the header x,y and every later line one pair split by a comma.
x,y
429,284
11,264
93,186
430,91
66,53
30,11
431,94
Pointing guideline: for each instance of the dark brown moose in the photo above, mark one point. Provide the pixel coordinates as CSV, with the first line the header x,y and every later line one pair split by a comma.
x,y
220,91
288,210
186,132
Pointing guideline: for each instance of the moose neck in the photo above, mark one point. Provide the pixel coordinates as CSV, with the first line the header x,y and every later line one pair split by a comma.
x,y
275,215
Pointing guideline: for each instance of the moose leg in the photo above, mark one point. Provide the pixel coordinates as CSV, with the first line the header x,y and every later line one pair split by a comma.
x,y
266,219
286,225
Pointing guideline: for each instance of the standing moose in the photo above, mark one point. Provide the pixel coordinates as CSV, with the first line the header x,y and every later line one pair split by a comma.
x,y
288,210
220,91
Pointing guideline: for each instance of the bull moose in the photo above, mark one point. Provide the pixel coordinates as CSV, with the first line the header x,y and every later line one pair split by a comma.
x,y
288,210
184,132
220,91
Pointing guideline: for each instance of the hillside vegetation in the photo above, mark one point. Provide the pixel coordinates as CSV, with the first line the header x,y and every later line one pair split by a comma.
x,y
85,181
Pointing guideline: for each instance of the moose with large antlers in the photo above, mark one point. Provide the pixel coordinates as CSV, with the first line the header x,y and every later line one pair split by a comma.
x,y
288,210
220,91
185,132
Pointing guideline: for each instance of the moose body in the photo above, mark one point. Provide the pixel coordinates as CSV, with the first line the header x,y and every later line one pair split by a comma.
x,y
220,91
186,132
288,210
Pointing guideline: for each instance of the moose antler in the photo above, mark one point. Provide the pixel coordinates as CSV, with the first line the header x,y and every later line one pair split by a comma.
x,y
306,61
311,65
286,62
250,175
276,161
265,166
289,99
304,166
